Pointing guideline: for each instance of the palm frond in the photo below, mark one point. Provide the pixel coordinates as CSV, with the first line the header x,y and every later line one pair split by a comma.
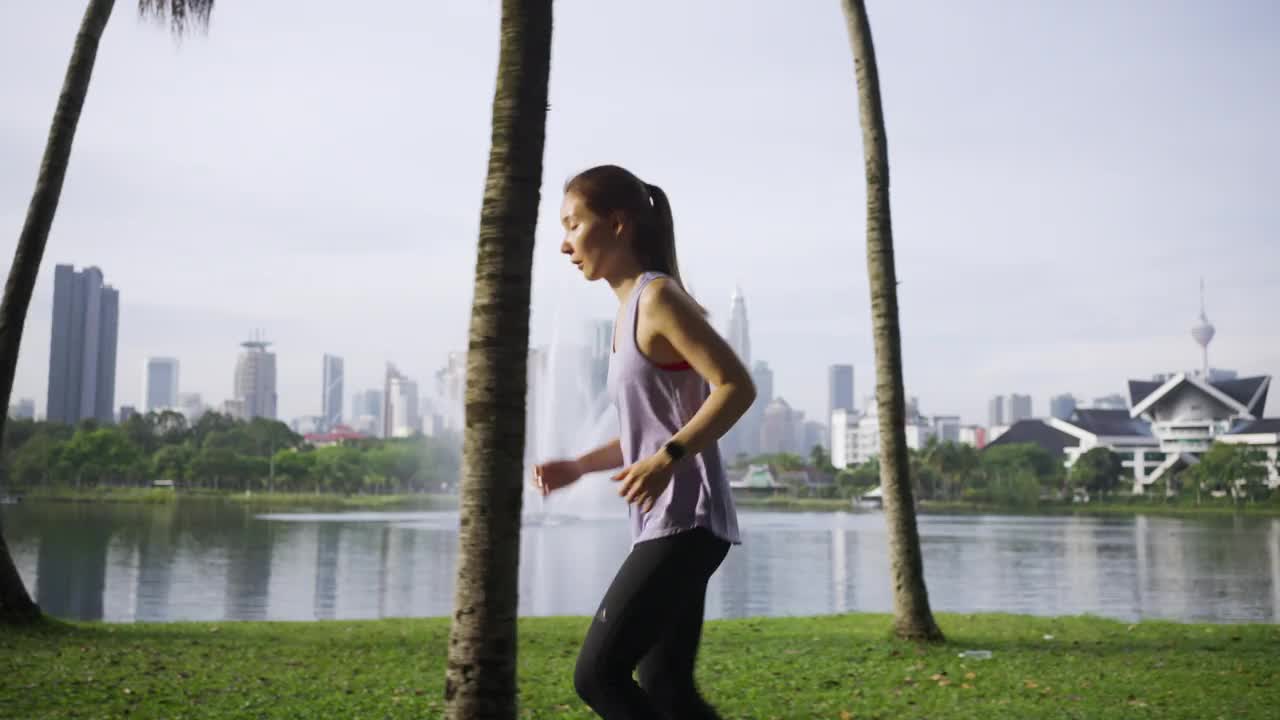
x,y
183,15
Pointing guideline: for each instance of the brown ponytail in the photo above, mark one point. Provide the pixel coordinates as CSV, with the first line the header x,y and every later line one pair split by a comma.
x,y
609,188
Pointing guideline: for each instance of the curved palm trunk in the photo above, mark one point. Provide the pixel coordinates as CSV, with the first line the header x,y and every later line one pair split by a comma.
x,y
911,615
15,603
480,679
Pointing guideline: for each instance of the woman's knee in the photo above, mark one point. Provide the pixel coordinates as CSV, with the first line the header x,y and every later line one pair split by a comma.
x,y
670,691
586,680
591,678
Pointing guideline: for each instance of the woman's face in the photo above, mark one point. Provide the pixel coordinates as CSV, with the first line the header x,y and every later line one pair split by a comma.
x,y
590,240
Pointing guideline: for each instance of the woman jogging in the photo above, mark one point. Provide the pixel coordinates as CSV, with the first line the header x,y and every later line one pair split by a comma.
x,y
678,387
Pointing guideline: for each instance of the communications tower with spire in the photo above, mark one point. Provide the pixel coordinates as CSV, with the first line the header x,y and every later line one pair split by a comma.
x,y
1203,333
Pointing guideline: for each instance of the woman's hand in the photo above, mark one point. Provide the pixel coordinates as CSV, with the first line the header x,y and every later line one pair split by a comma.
x,y
555,474
644,482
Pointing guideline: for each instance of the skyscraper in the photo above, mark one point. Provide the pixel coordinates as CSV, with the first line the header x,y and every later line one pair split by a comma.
x,y
995,411
739,334
402,407
1061,406
331,393
762,377
366,412
839,389
82,347
777,428
400,404
1019,408
192,406
255,381
161,384
1114,401
451,386
753,420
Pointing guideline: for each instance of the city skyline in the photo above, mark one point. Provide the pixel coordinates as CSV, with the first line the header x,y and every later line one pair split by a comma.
x,y
1001,410
84,331
1004,203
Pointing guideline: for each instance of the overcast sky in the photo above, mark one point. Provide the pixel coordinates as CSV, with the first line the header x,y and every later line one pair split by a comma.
x,y
1063,174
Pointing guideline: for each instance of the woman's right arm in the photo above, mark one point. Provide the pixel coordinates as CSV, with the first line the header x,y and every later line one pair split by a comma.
x,y
551,476
605,457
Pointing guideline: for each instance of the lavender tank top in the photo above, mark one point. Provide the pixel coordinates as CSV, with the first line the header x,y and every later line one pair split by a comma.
x,y
653,404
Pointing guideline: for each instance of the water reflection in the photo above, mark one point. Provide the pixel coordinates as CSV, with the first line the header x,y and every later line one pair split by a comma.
x,y
205,561
72,568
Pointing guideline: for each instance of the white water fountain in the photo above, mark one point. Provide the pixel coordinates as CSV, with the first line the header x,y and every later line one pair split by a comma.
x,y
570,416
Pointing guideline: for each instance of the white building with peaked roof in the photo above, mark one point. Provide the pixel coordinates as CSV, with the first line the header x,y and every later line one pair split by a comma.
x,y
1188,412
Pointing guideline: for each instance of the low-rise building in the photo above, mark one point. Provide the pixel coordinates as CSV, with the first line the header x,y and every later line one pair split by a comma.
x,y
337,435
1170,423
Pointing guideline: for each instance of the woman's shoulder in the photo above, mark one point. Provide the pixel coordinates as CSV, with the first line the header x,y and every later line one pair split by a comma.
x,y
661,293
665,296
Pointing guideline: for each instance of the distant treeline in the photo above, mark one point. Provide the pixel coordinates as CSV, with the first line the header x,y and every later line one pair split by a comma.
x,y
221,453
1024,474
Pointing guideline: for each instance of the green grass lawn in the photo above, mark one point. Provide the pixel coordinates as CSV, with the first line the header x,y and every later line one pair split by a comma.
x,y
827,667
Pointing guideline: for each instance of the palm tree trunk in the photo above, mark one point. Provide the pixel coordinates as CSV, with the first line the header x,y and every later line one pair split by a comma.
x,y
15,602
912,617
480,679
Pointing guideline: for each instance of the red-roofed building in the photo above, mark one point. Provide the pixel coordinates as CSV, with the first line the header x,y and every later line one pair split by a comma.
x,y
338,435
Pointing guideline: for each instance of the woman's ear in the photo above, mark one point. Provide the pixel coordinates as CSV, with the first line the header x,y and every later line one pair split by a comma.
x,y
618,224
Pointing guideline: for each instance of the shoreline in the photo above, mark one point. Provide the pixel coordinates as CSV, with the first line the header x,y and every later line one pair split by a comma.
x,y
297,501
441,501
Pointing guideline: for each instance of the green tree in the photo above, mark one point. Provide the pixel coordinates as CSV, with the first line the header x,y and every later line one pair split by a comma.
x,y
294,468
926,482
141,430
264,436
171,426
217,466
398,462
1014,487
102,455
956,465
233,439
1025,459
17,433
34,461
782,461
172,462
441,465
1240,470
341,469
912,616
1097,471
859,479
820,459
480,679
209,423
15,603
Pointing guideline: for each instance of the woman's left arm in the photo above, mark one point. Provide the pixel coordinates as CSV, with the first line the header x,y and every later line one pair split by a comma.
x,y
675,317
672,314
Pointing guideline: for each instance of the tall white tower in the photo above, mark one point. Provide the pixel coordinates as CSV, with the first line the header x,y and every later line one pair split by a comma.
x,y
739,335
255,379
1203,332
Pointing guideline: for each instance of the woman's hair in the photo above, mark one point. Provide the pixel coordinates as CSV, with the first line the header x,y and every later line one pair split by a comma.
x,y
608,188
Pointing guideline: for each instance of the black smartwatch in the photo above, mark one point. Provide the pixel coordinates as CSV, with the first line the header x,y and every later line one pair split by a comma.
x,y
675,450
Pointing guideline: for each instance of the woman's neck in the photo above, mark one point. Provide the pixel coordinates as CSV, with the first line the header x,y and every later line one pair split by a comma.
x,y
624,281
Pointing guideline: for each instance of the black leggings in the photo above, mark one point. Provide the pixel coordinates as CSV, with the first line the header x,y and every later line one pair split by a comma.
x,y
651,616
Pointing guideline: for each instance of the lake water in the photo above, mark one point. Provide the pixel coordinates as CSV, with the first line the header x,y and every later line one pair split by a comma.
x,y
216,561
